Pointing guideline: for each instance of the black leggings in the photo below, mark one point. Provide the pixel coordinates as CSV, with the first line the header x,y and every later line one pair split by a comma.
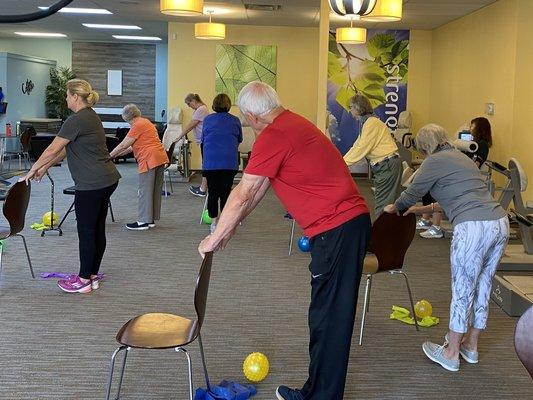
x,y
91,212
219,182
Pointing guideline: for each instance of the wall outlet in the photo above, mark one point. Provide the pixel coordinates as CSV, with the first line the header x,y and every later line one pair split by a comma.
x,y
489,108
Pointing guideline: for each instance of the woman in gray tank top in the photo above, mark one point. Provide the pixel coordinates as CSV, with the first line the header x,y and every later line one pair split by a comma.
x,y
480,235
82,140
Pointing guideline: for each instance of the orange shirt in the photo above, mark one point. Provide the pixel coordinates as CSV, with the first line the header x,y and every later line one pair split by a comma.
x,y
147,147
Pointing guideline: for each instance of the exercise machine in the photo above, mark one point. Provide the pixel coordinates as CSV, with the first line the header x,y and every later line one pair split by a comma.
x,y
512,287
517,257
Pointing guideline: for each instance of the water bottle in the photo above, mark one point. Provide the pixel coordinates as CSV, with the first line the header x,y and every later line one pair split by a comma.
x,y
8,129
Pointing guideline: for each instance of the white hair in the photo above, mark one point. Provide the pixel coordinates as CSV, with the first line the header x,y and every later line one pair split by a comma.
x,y
430,138
130,111
257,98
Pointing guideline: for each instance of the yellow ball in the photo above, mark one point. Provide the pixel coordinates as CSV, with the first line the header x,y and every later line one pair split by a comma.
x,y
423,309
255,367
47,219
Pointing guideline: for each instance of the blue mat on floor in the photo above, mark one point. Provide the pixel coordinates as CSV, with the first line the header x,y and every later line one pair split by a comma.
x,y
226,390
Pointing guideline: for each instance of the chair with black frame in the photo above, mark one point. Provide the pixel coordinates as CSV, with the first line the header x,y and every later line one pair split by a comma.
x,y
71,192
121,134
390,238
166,173
23,151
166,331
523,340
15,206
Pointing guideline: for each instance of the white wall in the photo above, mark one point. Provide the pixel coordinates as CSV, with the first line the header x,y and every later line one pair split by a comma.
x,y
59,50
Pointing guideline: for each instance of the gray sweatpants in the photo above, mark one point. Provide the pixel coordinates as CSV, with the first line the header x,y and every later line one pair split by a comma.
x,y
387,181
150,185
477,247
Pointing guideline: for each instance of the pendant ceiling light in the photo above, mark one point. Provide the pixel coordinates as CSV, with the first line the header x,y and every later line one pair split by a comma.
x,y
181,7
209,30
385,11
350,35
352,7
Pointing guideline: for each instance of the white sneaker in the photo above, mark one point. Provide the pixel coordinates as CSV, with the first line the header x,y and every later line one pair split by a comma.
x,y
423,224
95,283
212,227
434,232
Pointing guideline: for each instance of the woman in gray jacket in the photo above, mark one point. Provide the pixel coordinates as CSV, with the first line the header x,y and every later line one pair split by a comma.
x,y
480,234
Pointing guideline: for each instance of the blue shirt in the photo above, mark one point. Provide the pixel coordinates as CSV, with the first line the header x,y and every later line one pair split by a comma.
x,y
222,133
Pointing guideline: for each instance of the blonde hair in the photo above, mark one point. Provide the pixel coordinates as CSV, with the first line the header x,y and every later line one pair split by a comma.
x,y
430,138
84,90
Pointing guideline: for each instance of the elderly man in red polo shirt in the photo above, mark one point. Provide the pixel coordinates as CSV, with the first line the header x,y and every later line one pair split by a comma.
x,y
310,178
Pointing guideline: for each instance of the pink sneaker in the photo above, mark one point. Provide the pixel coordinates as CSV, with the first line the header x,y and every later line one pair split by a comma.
x,y
74,285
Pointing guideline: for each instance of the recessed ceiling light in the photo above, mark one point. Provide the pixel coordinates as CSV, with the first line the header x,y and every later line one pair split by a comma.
x,y
75,10
109,26
40,34
136,37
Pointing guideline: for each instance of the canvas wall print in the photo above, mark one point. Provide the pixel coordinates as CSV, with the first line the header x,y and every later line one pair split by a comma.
x,y
237,65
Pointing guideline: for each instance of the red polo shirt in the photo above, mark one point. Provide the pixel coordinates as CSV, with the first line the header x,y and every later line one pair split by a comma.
x,y
307,174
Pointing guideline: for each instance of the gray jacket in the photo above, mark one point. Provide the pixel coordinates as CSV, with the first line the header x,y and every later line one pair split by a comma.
x,y
456,183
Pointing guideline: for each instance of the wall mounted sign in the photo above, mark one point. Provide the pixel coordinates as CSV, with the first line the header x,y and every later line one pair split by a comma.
x,y
114,82
27,87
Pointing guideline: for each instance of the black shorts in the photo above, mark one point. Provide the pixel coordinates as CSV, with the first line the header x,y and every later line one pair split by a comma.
x,y
427,199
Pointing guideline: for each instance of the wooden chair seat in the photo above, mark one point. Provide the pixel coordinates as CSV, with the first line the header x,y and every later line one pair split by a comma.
x,y
371,264
157,331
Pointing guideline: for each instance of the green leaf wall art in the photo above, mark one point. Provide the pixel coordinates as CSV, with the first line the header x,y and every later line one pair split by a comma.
x,y
237,65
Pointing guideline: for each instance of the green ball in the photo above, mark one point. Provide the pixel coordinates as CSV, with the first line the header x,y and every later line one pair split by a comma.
x,y
206,219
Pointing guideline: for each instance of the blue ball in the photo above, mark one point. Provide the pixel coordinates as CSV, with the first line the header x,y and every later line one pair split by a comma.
x,y
304,244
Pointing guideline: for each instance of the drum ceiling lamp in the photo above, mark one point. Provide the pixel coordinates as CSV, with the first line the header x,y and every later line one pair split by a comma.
x,y
352,7
181,7
209,30
350,35
385,11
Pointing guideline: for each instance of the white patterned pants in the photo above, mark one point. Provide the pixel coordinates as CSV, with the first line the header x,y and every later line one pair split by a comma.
x,y
477,248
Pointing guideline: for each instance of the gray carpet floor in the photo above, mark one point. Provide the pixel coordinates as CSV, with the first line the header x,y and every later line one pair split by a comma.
x,y
57,346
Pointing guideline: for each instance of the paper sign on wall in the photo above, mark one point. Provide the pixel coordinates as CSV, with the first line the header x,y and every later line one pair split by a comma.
x,y
114,82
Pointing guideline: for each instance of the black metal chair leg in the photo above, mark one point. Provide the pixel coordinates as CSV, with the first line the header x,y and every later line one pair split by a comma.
x,y
112,368
111,211
27,254
207,382
66,214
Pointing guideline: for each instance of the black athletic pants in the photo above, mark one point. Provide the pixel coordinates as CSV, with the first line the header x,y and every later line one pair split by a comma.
x,y
336,264
91,212
219,182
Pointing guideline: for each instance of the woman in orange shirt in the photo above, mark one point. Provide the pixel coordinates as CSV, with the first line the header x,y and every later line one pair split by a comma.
x,y
143,140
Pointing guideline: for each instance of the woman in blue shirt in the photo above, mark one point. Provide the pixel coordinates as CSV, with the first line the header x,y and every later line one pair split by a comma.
x,y
222,133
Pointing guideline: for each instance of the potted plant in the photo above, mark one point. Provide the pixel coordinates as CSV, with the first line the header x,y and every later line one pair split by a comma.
x,y
56,92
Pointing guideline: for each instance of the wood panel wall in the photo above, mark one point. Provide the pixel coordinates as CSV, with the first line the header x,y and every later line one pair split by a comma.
x,y
91,60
